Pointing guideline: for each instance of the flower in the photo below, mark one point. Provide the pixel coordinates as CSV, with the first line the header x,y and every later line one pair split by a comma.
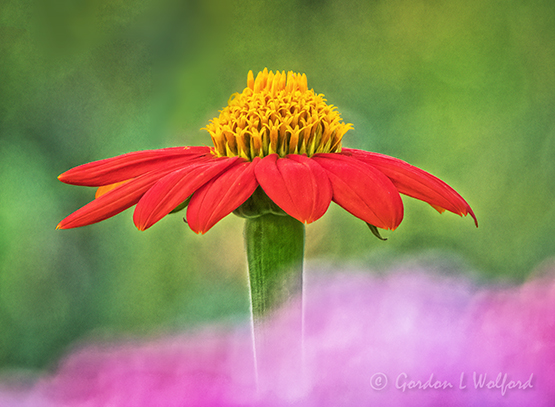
x,y
278,140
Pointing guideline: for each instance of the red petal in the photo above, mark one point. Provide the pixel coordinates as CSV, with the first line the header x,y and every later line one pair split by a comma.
x,y
297,184
112,202
117,199
175,188
414,182
220,196
127,166
362,190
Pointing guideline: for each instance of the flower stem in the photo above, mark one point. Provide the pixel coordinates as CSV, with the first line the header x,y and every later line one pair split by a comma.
x,y
275,248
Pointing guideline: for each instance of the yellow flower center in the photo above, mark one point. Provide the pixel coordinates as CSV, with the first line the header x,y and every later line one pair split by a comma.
x,y
276,114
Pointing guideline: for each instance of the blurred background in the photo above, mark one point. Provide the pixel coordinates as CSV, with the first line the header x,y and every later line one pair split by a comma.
x,y
464,89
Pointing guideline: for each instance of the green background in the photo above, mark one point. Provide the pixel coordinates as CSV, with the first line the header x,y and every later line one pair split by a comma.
x,y
463,89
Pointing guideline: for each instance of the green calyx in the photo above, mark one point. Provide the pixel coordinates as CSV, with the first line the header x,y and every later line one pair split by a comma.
x,y
258,204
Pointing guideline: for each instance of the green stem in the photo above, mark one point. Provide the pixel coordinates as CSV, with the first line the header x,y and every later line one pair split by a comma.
x,y
275,248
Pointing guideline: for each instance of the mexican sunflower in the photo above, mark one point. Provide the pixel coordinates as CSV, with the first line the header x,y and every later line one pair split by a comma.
x,y
277,148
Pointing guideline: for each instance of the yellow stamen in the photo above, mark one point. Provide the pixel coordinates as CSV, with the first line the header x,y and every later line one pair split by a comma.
x,y
276,113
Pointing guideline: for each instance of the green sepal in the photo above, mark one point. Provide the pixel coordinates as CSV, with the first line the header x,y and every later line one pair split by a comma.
x,y
258,204
375,232
182,205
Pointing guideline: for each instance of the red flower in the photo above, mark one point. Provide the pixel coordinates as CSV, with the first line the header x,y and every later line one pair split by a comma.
x,y
277,135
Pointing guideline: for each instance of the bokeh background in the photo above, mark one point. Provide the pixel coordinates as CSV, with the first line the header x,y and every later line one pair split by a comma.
x,y
462,88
